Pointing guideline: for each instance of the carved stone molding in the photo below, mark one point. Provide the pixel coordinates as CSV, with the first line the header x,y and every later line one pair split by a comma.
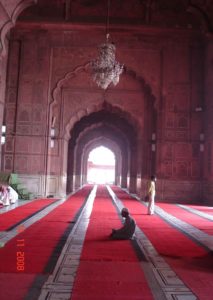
x,y
9,14
94,107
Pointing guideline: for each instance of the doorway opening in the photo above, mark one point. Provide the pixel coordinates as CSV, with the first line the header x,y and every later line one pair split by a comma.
x,y
101,166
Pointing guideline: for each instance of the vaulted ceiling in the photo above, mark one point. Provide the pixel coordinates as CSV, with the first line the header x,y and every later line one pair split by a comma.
x,y
197,14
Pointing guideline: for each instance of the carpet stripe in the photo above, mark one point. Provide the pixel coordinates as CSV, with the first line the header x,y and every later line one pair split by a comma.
x,y
188,217
13,218
40,241
29,216
191,263
197,212
205,209
113,267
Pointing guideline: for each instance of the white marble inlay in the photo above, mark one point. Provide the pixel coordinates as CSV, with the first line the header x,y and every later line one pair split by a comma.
x,y
170,285
66,274
18,203
197,212
63,276
6,236
200,236
58,296
183,297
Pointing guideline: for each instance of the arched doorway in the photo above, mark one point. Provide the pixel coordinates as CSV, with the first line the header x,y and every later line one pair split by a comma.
x,y
101,166
106,128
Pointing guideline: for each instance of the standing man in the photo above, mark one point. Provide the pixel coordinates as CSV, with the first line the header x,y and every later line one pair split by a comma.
x,y
151,193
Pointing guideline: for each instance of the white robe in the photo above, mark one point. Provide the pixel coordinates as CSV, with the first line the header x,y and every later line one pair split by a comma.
x,y
13,195
4,198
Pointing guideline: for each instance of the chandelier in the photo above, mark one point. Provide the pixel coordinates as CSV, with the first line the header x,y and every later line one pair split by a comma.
x,y
105,69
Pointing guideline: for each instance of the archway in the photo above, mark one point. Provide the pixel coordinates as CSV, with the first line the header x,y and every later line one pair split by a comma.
x,y
91,139
101,166
100,128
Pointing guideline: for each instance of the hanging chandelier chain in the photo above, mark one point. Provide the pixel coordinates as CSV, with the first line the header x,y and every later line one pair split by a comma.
x,y
107,20
105,69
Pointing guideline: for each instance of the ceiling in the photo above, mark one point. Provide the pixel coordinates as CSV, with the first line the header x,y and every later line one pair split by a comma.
x,y
194,14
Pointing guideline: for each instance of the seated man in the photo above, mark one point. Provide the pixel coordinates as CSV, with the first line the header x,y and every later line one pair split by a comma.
x,y
4,196
126,232
13,195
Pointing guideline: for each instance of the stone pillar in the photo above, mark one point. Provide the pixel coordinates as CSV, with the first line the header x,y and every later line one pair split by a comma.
x,y
133,170
124,172
77,171
117,170
3,76
208,122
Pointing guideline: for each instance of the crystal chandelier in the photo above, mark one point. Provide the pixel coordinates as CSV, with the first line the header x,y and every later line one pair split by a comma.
x,y
105,69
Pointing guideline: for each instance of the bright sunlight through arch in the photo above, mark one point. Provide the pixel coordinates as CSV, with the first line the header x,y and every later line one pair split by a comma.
x,y
101,166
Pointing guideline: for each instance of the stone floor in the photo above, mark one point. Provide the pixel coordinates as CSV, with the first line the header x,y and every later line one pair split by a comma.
x,y
164,283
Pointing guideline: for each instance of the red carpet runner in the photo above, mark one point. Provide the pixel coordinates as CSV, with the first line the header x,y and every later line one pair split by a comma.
x,y
192,263
38,242
205,209
108,269
15,215
188,217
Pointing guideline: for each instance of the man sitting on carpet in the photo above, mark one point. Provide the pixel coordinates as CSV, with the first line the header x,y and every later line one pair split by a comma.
x,y
13,195
7,195
126,232
4,196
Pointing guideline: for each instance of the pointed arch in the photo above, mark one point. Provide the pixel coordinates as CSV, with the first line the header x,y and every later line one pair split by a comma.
x,y
9,15
101,142
82,117
94,107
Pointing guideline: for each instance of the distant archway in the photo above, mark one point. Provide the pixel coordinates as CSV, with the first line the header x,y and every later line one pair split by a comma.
x,y
101,166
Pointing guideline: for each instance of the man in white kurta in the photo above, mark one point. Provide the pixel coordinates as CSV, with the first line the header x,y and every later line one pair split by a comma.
x,y
151,193
4,196
13,195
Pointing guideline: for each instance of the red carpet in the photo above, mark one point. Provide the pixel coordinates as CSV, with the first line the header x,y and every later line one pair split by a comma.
x,y
205,209
13,288
192,263
15,215
188,217
113,268
38,242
